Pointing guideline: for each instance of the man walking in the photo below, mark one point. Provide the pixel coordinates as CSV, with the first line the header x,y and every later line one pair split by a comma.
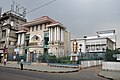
x,y
5,60
21,64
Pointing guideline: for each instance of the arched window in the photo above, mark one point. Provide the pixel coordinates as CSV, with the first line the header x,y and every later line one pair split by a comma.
x,y
35,38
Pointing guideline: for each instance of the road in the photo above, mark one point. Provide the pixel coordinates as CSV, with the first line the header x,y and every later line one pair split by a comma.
x,y
16,74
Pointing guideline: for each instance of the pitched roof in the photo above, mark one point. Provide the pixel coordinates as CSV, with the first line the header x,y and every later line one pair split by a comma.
x,y
56,24
22,30
40,20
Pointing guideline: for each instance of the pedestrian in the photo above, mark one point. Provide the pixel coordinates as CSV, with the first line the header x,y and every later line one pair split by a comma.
x,y
5,61
21,64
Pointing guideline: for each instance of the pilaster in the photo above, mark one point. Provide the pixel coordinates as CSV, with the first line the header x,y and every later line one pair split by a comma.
x,y
18,39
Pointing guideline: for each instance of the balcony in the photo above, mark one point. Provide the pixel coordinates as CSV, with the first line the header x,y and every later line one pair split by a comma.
x,y
46,34
33,44
45,46
27,37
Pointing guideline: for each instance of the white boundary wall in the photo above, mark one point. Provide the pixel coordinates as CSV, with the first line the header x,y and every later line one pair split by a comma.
x,y
86,64
111,66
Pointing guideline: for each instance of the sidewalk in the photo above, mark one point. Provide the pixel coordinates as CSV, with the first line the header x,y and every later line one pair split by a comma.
x,y
115,75
41,68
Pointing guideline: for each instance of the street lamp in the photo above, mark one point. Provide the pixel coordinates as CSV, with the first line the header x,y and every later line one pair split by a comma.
x,y
103,49
4,52
80,54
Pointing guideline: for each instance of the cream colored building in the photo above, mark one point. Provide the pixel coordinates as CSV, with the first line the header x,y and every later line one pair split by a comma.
x,y
59,39
43,35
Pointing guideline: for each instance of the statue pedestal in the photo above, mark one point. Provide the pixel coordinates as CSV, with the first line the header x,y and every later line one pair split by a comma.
x,y
74,57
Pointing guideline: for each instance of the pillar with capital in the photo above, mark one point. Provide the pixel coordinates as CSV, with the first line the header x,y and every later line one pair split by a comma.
x,y
18,39
49,34
55,33
58,33
62,36
22,38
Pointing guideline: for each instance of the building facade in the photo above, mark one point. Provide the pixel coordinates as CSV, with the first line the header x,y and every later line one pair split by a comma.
x,y
9,24
59,39
94,44
42,36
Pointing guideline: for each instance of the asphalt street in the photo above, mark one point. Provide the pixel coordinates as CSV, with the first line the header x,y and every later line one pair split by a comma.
x,y
16,74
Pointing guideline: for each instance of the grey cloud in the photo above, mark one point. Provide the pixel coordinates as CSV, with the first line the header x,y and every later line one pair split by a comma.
x,y
82,17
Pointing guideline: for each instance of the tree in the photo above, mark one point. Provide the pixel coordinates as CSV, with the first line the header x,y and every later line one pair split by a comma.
x,y
109,56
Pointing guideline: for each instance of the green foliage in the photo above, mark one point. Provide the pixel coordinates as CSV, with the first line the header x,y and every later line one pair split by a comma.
x,y
53,59
109,55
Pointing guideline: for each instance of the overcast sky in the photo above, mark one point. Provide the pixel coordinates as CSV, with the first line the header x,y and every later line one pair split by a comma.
x,y
81,17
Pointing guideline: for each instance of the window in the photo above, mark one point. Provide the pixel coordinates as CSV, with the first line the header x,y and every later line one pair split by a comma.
x,y
37,38
45,26
29,30
46,34
11,43
37,28
3,33
87,48
98,47
92,47
40,27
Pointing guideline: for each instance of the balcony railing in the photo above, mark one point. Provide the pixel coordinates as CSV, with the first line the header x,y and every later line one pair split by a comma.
x,y
33,43
45,46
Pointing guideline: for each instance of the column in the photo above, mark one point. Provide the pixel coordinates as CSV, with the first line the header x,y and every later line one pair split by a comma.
x,y
55,33
18,39
49,34
27,58
62,34
58,33
84,46
22,38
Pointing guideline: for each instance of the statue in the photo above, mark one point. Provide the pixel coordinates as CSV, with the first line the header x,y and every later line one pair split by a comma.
x,y
75,46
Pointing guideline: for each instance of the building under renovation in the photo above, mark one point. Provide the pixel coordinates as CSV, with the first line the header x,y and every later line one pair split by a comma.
x,y
10,22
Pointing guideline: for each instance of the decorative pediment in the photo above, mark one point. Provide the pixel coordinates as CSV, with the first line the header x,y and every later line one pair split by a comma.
x,y
36,38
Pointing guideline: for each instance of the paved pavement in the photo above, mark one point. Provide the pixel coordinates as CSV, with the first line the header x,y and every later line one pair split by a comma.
x,y
41,68
115,75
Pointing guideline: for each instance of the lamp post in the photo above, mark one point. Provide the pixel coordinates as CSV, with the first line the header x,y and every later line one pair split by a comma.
x,y
103,49
80,54
4,53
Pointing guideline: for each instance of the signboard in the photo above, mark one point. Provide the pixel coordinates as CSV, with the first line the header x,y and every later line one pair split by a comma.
x,y
16,50
118,56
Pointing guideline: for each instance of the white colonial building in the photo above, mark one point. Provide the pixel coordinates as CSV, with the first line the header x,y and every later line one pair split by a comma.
x,y
95,44
43,35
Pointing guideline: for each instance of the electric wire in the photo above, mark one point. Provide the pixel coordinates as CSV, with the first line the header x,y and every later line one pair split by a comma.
x,y
41,6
